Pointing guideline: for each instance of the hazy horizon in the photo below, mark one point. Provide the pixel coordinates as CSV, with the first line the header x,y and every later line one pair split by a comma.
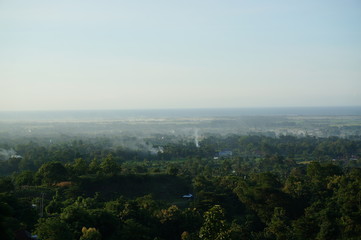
x,y
191,113
91,55
193,108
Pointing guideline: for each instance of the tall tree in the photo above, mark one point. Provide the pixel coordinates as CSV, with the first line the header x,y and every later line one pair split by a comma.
x,y
214,226
52,172
109,166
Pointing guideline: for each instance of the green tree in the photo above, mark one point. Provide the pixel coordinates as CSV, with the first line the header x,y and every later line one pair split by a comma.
x,y
52,172
279,227
94,166
347,195
109,166
262,193
24,178
172,170
80,166
76,218
214,226
53,229
55,205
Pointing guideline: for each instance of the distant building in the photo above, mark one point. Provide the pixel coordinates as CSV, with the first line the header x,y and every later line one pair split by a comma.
x,y
224,154
187,196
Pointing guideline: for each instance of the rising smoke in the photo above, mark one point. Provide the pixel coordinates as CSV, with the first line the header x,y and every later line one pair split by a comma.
x,y
6,154
196,136
138,144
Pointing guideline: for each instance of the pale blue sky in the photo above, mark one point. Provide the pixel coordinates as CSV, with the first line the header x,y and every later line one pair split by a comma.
x,y
67,55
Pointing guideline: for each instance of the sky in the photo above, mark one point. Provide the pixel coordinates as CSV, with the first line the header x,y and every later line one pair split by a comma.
x,y
114,54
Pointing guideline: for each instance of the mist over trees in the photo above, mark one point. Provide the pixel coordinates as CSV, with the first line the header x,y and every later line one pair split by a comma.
x,y
194,185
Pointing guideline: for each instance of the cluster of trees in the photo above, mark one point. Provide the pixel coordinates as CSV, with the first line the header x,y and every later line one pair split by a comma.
x,y
35,153
255,145
265,190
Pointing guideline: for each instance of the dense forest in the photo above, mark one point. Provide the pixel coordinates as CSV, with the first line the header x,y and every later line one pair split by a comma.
x,y
212,187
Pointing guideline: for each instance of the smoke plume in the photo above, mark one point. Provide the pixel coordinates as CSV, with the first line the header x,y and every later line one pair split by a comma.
x,y
196,136
6,154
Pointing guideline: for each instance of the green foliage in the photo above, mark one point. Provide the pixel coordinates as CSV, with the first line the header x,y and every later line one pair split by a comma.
x,y
347,196
319,172
279,226
79,167
24,178
115,206
214,226
53,229
109,166
262,187
55,205
262,193
173,170
76,218
52,172
94,166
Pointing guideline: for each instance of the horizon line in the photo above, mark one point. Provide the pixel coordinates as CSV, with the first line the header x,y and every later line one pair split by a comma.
x,y
182,108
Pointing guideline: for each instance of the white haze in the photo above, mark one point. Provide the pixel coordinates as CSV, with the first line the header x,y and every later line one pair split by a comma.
x,y
6,154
